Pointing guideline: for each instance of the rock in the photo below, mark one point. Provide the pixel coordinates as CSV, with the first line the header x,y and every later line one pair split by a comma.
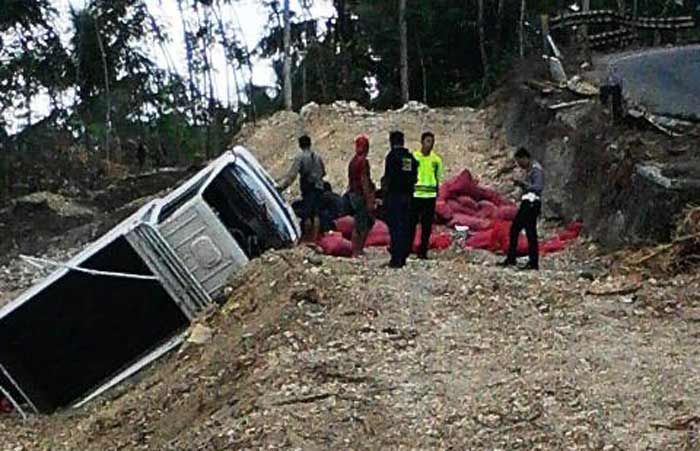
x,y
587,274
414,106
351,107
44,201
309,109
200,334
692,314
315,260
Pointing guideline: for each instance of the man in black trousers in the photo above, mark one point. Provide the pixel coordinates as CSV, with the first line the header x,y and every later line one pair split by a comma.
x,y
529,211
400,175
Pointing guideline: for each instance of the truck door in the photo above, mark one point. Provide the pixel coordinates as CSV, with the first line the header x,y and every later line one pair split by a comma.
x,y
202,242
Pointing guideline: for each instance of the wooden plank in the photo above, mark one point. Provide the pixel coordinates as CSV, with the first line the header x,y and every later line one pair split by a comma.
x,y
544,19
561,106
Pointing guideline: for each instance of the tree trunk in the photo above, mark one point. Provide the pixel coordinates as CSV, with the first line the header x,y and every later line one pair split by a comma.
x,y
403,31
287,58
304,92
190,70
108,115
521,29
499,25
424,72
635,14
584,30
341,39
210,81
621,7
230,59
482,43
249,64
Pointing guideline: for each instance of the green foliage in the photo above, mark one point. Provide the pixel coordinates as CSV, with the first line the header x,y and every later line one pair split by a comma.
x,y
23,13
117,94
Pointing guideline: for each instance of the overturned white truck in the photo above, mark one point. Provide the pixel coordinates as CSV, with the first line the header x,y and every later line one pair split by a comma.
x,y
129,297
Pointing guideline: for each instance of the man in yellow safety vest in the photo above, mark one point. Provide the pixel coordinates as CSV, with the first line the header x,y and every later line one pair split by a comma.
x,y
430,174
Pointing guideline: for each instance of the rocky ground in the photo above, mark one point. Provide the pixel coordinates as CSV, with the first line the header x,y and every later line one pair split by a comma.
x,y
312,352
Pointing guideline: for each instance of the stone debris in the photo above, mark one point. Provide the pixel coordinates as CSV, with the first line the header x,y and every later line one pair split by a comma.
x,y
414,106
44,201
200,334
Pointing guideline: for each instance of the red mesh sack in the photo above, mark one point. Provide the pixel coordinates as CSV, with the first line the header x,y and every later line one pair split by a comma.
x,y
572,231
522,248
500,236
552,245
468,202
334,244
457,185
379,235
487,209
345,226
416,240
443,211
458,208
440,241
506,212
480,240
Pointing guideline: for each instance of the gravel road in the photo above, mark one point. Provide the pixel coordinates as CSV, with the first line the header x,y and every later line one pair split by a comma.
x,y
665,81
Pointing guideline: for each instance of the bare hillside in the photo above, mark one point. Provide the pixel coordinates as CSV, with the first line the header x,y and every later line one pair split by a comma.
x,y
312,352
463,139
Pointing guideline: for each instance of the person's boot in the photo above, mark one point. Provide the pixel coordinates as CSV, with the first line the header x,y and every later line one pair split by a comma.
x,y
394,264
354,239
530,266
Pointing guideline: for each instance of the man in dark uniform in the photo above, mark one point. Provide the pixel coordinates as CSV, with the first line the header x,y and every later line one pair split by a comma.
x,y
398,183
529,211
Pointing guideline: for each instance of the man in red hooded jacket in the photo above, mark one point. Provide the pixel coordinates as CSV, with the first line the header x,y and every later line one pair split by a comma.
x,y
361,194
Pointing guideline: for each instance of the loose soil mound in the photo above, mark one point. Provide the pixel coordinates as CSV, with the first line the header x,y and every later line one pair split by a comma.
x,y
312,352
462,138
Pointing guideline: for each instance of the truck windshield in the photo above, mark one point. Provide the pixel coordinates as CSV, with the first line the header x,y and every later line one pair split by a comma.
x,y
247,210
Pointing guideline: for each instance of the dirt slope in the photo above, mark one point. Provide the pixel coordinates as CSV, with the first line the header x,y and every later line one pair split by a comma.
x,y
313,352
462,138
318,353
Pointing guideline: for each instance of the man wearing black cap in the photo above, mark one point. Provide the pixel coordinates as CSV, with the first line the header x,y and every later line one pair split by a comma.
x,y
398,183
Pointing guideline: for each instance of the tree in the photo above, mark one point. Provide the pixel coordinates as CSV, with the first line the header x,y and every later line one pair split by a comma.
x,y
403,30
287,57
521,29
482,43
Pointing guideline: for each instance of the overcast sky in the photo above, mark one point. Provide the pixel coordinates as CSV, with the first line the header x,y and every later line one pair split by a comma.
x,y
250,15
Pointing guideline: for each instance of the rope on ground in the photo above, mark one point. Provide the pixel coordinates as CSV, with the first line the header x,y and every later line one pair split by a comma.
x,y
41,263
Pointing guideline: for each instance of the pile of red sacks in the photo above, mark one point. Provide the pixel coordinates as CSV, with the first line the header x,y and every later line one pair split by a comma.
x,y
338,243
461,202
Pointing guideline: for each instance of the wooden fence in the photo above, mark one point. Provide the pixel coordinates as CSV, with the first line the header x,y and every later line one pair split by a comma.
x,y
605,16
626,26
